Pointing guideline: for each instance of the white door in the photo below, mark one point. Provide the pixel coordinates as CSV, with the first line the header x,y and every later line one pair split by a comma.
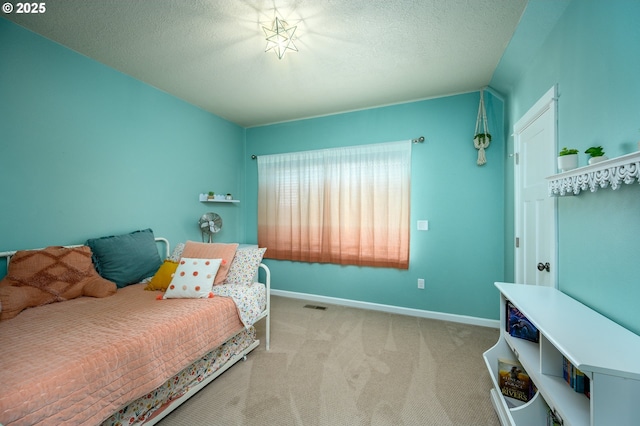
x,y
536,147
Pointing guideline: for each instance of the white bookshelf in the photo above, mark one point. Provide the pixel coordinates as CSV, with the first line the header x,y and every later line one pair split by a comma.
x,y
604,351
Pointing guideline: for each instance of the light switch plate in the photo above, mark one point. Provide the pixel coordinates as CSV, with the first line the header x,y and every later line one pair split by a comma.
x,y
423,225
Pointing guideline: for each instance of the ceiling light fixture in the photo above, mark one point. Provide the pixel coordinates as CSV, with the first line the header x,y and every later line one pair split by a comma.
x,y
280,37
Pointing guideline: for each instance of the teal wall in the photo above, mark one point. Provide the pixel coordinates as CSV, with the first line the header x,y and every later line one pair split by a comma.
x,y
592,54
461,255
87,151
90,151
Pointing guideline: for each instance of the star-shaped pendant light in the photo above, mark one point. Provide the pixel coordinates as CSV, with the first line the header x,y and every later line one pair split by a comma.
x,y
280,38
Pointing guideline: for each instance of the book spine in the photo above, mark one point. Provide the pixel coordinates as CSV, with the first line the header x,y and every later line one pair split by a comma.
x,y
587,387
573,376
579,381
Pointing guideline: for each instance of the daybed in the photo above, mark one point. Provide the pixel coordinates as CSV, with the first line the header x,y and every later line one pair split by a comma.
x,y
127,358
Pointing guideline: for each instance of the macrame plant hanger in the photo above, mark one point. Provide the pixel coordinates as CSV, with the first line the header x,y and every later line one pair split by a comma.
x,y
482,137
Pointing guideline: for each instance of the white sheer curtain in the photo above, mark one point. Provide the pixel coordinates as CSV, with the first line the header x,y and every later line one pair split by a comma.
x,y
344,205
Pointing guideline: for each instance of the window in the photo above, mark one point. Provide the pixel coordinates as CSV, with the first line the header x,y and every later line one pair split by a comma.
x,y
345,205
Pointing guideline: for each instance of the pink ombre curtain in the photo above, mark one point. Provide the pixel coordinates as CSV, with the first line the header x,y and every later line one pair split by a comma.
x,y
341,205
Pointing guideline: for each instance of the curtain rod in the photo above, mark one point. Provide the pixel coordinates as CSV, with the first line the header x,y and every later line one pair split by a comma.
x,y
416,140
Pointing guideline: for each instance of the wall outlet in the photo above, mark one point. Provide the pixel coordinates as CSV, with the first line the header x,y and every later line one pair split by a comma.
x,y
421,283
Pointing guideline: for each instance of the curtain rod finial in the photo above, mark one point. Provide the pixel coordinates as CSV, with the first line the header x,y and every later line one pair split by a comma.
x,y
418,140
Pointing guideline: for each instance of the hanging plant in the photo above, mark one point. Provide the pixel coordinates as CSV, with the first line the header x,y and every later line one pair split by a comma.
x,y
482,137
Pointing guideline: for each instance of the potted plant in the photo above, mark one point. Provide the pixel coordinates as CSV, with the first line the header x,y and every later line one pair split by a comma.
x,y
480,137
596,154
480,142
567,159
211,195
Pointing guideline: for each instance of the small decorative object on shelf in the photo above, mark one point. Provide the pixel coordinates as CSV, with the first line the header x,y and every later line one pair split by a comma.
x,y
228,197
567,159
596,154
211,195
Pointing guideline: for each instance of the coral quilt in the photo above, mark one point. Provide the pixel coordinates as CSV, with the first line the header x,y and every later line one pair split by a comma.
x,y
79,361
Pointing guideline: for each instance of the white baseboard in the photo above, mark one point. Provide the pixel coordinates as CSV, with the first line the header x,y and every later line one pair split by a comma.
x,y
483,322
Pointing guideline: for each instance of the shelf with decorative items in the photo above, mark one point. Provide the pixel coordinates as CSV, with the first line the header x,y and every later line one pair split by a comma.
x,y
217,198
610,173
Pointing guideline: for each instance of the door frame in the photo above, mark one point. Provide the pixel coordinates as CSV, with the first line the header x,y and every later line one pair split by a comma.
x,y
547,102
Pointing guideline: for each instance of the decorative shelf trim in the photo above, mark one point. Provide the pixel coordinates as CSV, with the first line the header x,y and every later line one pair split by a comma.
x,y
609,173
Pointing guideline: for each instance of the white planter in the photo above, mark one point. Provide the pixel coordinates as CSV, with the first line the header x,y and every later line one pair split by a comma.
x,y
567,162
594,160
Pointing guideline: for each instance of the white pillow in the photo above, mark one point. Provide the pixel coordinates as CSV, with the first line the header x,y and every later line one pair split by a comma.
x,y
193,279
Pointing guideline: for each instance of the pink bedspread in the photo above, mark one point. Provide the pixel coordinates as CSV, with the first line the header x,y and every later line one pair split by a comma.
x,y
79,361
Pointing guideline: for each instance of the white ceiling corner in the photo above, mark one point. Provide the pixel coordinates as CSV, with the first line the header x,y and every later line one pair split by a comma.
x,y
353,54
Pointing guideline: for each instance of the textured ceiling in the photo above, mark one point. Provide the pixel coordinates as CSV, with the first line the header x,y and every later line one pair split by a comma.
x,y
353,54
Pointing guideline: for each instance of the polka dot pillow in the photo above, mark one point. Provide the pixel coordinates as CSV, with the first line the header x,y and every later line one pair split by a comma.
x,y
193,279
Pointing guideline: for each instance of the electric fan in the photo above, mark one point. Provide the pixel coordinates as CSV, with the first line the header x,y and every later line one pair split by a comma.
x,y
209,224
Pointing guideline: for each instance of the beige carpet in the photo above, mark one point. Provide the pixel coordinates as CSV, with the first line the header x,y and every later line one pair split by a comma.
x,y
347,366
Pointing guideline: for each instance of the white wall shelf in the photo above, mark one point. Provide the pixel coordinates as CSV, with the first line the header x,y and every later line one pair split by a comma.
x,y
605,351
203,198
609,173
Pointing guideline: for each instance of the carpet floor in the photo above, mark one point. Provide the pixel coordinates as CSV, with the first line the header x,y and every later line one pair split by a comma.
x,y
349,366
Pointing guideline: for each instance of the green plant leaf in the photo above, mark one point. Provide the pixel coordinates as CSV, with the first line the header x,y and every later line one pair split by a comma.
x,y
567,151
595,151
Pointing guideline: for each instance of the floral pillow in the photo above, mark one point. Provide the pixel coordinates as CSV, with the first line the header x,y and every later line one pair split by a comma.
x,y
193,279
244,266
176,254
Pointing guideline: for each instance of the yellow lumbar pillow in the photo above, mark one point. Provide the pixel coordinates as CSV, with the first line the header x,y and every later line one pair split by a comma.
x,y
162,278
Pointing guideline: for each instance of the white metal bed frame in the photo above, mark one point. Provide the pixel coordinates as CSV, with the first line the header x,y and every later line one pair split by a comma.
x,y
266,314
9,254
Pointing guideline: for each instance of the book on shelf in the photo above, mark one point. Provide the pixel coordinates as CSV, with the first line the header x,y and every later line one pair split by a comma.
x,y
553,419
575,378
514,381
519,325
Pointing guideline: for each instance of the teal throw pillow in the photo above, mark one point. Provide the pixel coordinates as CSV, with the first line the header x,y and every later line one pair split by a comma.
x,y
126,259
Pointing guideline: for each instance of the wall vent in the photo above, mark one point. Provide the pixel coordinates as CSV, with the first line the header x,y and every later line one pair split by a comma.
x,y
322,308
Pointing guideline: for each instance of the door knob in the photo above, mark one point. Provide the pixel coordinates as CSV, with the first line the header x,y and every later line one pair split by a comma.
x,y
544,267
